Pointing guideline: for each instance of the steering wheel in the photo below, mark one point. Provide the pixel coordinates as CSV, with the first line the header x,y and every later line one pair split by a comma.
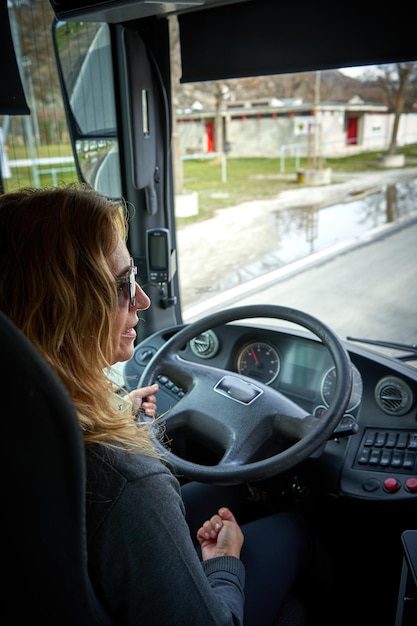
x,y
256,431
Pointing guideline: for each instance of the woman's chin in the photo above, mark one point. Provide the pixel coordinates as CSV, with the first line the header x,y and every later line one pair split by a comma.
x,y
124,352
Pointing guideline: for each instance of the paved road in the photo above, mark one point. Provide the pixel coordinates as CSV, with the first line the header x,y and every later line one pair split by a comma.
x,y
368,289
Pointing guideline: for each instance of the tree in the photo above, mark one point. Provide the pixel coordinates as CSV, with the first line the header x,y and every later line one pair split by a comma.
x,y
175,75
396,80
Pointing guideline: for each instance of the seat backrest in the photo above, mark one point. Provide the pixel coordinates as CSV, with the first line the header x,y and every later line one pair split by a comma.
x,y
45,576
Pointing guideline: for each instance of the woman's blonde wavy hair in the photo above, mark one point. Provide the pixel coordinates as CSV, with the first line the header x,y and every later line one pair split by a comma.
x,y
57,286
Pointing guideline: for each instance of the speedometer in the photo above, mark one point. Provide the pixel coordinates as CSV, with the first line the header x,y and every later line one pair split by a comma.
x,y
260,361
328,385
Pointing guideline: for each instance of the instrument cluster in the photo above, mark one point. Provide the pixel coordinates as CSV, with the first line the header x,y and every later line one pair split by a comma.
x,y
262,361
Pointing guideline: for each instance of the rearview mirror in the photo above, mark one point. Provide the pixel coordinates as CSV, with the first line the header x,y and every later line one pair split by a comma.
x,y
84,62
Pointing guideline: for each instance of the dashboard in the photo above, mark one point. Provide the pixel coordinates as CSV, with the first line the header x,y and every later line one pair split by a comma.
x,y
372,453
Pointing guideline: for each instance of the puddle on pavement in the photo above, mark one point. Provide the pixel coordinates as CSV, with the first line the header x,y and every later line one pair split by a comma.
x,y
297,232
302,231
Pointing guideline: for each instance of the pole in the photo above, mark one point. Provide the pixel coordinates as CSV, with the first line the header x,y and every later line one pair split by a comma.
x,y
317,158
27,123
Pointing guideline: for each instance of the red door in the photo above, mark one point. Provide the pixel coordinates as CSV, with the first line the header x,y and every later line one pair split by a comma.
x,y
352,131
210,136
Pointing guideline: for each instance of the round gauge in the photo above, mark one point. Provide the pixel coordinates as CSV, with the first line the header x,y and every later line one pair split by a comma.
x,y
260,361
328,385
205,345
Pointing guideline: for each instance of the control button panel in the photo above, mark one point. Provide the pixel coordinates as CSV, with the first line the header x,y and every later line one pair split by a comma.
x,y
388,451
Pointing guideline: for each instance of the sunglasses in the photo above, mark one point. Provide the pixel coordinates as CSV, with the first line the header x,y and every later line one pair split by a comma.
x,y
126,286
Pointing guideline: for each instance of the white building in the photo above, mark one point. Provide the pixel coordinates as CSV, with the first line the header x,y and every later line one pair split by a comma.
x,y
271,128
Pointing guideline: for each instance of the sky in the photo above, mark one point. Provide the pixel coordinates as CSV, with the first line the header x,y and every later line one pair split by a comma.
x,y
357,72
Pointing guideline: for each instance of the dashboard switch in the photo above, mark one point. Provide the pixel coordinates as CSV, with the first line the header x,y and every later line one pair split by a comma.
x,y
411,485
391,484
372,484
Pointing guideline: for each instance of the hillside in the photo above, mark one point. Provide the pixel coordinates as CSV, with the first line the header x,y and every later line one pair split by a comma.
x,y
334,87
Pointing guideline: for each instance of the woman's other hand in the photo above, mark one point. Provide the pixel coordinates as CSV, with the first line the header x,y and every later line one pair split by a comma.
x,y
221,535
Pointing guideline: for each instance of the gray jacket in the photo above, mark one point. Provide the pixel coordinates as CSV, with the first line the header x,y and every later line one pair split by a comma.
x,y
142,560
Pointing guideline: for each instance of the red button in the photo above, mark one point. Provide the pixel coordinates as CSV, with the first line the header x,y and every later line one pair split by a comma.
x,y
391,484
411,484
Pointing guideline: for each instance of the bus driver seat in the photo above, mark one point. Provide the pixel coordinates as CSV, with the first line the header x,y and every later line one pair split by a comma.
x,y
43,476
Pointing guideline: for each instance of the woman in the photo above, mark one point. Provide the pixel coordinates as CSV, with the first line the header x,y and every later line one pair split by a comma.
x,y
68,282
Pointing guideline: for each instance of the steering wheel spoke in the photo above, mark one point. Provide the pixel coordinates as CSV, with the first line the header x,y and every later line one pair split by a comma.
x,y
294,428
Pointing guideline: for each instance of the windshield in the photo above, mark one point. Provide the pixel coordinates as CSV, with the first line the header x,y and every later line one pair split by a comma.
x,y
288,189
296,205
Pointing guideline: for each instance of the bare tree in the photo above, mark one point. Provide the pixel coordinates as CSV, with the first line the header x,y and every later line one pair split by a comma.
x,y
396,80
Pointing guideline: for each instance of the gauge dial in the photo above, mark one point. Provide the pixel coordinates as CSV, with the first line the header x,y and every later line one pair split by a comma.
x,y
328,386
260,361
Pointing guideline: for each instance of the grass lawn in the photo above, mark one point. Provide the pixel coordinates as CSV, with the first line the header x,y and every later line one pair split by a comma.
x,y
259,178
246,178
24,176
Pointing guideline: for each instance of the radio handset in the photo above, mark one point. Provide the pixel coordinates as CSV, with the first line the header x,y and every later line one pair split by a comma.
x,y
160,259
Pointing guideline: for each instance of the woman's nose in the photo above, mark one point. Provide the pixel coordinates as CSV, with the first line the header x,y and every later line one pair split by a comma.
x,y
143,301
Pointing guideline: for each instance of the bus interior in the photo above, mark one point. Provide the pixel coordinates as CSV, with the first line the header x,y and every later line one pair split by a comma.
x,y
352,467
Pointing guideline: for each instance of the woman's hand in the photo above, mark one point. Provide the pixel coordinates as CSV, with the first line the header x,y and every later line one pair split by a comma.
x,y
220,536
144,399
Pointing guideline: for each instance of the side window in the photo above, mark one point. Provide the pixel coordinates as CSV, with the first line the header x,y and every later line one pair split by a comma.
x,y
35,148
